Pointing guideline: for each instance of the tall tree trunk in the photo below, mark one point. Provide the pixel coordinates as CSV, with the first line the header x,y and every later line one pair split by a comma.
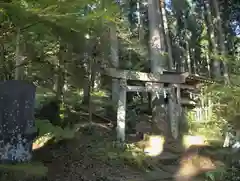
x,y
180,64
158,63
193,60
91,69
90,88
157,48
87,67
187,38
140,23
211,38
114,62
188,58
59,81
59,69
86,80
220,36
4,73
95,70
104,49
19,70
208,64
166,33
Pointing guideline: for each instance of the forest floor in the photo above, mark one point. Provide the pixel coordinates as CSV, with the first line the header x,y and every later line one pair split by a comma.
x,y
87,157
92,156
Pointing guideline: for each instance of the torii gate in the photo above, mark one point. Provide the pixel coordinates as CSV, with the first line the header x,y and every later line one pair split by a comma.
x,y
154,82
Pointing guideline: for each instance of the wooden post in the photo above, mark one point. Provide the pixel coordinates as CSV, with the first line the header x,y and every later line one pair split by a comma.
x,y
174,109
179,107
121,111
159,110
184,122
171,109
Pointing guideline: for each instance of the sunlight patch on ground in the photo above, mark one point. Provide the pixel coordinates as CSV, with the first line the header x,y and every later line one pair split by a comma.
x,y
189,140
192,165
79,126
42,140
154,147
99,93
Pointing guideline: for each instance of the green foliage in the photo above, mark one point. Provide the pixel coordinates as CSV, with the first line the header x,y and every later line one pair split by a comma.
x,y
226,102
105,149
230,172
211,129
134,156
55,132
42,25
42,95
111,152
217,174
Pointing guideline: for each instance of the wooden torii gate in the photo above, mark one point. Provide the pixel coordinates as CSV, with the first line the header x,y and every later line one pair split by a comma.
x,y
167,82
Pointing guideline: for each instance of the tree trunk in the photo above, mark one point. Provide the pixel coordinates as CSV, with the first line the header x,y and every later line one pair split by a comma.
x,y
86,80
140,23
90,88
115,63
157,48
87,67
96,77
19,70
193,60
186,40
4,73
180,64
166,33
220,36
188,58
60,79
158,63
211,38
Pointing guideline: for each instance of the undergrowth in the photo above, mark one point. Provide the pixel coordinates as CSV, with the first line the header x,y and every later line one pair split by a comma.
x,y
126,154
56,132
230,173
108,150
211,129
